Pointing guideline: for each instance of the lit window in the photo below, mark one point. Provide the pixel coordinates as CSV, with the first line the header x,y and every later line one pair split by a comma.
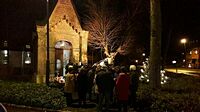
x,y
189,66
196,52
27,58
4,57
5,53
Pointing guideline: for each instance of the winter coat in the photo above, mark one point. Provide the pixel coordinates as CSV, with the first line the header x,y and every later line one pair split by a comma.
x,y
104,81
91,75
134,80
70,83
82,81
122,86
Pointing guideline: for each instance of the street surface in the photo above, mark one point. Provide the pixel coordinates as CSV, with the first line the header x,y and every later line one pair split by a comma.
x,y
186,71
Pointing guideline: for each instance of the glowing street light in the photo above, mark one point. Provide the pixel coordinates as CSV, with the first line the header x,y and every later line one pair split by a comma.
x,y
184,40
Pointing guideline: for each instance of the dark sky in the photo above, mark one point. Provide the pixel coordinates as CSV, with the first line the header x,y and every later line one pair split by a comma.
x,y
17,20
180,17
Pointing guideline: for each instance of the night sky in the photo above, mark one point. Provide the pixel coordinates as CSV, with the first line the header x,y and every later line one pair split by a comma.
x,y
17,20
180,17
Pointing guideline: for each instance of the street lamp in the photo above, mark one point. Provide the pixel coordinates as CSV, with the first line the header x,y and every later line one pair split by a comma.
x,y
184,41
47,60
174,62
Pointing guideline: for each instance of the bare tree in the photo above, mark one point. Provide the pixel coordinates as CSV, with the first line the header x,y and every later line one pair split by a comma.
x,y
104,27
110,31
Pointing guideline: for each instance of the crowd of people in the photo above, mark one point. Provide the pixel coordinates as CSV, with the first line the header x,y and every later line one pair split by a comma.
x,y
104,84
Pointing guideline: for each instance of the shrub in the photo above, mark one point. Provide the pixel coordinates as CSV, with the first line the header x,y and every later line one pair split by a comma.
x,y
181,94
183,84
173,102
144,97
31,94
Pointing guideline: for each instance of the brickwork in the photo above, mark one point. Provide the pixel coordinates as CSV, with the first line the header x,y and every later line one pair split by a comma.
x,y
63,25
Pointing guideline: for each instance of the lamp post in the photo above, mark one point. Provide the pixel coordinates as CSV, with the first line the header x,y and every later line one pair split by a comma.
x,y
174,62
80,47
47,60
184,41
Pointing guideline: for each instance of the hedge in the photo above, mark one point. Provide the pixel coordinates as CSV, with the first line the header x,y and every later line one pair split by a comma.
x,y
31,94
181,94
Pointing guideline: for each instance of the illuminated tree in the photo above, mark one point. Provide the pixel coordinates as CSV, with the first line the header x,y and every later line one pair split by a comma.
x,y
112,31
104,27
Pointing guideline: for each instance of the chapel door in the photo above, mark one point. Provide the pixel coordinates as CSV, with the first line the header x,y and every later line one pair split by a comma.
x,y
62,56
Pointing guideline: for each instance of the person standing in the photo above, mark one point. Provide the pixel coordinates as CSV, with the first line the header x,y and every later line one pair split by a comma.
x,y
105,84
122,89
69,88
82,86
91,75
134,74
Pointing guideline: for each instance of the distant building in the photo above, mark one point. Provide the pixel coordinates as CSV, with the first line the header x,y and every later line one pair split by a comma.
x,y
193,58
67,43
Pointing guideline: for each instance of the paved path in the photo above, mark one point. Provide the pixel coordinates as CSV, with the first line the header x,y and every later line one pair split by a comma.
x,y
92,110
91,107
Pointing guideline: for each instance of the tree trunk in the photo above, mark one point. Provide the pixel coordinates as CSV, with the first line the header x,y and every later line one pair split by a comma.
x,y
155,44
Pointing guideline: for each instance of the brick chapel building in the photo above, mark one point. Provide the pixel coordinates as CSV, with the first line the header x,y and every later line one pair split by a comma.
x,y
67,43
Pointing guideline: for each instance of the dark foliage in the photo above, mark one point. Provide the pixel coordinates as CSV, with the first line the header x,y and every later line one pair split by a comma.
x,y
31,94
181,94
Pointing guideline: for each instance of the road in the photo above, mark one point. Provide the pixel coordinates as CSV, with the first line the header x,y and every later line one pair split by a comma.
x,y
186,71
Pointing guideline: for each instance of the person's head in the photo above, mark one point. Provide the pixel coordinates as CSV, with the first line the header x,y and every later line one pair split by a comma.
x,y
132,68
70,68
123,69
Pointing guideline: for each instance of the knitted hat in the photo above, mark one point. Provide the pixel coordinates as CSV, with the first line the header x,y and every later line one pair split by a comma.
x,y
132,67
